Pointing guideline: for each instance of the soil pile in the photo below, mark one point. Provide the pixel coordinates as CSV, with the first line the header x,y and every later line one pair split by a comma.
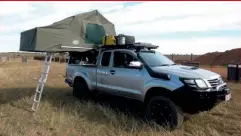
x,y
220,58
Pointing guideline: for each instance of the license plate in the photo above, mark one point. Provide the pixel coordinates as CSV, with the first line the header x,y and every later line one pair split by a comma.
x,y
228,97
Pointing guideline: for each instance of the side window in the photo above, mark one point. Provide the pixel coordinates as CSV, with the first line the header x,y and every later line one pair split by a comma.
x,y
72,60
105,59
122,60
83,58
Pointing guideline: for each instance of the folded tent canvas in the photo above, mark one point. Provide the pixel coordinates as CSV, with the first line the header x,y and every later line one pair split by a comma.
x,y
81,32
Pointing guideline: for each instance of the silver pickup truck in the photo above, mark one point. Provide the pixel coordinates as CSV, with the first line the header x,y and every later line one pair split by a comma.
x,y
166,89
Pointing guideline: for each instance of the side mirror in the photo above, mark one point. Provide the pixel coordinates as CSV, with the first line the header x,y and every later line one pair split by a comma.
x,y
135,64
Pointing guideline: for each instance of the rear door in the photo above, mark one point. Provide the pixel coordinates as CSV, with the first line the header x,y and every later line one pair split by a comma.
x,y
72,62
103,76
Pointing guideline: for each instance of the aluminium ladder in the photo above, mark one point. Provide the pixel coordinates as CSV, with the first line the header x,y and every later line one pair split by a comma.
x,y
42,82
44,76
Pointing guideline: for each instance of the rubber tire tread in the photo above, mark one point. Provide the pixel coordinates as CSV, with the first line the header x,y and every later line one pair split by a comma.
x,y
177,112
80,90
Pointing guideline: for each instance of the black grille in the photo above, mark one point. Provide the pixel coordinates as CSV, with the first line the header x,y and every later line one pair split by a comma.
x,y
215,82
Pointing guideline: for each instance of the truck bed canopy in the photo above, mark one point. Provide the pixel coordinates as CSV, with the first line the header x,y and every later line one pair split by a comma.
x,y
81,32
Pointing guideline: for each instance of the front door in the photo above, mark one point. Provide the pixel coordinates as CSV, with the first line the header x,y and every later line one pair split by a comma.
x,y
125,81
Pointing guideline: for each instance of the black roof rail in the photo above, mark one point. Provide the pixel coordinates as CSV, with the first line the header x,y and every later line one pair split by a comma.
x,y
137,46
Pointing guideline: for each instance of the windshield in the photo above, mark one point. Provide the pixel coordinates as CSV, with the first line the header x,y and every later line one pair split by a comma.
x,y
154,59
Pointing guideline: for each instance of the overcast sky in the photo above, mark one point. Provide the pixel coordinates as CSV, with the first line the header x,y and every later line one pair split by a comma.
x,y
177,27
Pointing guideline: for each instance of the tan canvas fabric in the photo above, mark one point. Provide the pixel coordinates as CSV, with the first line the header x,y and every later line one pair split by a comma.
x,y
67,32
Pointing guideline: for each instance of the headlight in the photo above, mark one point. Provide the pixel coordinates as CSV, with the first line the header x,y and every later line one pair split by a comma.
x,y
200,83
196,83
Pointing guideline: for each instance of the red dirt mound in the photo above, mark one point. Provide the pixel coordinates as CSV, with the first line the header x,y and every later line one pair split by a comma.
x,y
208,58
220,58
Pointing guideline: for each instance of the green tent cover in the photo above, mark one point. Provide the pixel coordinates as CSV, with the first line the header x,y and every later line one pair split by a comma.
x,y
84,31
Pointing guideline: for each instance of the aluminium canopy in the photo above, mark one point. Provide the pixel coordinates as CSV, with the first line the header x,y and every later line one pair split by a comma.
x,y
84,31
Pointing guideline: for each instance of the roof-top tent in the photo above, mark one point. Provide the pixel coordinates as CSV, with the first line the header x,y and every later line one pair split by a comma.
x,y
80,32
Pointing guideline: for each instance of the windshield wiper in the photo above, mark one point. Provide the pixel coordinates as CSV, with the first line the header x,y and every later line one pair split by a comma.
x,y
165,65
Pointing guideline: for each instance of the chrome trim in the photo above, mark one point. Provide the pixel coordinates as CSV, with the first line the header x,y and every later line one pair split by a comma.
x,y
221,85
215,82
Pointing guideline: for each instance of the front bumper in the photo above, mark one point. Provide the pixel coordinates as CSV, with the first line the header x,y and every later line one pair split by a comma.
x,y
218,95
191,99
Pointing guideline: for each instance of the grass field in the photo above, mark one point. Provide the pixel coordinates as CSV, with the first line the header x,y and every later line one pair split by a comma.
x,y
60,114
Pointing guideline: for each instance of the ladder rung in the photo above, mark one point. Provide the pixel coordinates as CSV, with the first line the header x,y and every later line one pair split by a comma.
x,y
36,101
46,68
40,86
43,76
42,82
37,96
45,73
38,91
34,109
35,106
47,64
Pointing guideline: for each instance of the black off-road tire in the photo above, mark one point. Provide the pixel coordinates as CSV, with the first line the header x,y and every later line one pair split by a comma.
x,y
81,90
173,114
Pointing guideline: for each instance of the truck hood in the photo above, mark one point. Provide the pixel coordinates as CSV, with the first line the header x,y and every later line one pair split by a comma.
x,y
186,71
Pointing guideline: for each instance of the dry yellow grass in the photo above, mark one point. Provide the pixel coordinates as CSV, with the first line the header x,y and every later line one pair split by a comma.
x,y
60,114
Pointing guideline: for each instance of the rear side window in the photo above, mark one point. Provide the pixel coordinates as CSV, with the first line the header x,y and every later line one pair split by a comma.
x,y
106,59
73,60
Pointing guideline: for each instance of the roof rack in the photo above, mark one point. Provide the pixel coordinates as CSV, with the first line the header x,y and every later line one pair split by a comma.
x,y
137,46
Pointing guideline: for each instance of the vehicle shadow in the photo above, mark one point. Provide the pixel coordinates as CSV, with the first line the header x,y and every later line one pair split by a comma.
x,y
59,97
62,97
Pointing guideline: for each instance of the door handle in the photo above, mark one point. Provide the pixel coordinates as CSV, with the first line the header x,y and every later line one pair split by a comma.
x,y
112,72
102,73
